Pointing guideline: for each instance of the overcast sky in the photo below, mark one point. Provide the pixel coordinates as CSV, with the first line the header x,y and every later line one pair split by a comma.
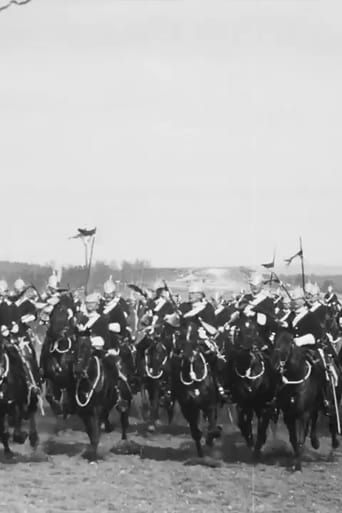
x,y
190,133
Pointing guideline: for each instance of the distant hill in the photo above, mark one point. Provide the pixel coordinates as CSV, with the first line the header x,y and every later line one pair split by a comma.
x,y
220,279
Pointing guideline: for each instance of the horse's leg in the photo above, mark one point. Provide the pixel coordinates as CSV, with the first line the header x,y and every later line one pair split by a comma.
x,y
313,430
263,422
245,425
153,398
213,430
4,436
53,396
191,413
33,433
297,430
333,431
92,426
124,419
19,436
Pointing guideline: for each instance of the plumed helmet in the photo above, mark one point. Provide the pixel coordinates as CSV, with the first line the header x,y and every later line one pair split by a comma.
x,y
310,288
297,293
53,281
94,297
109,286
256,279
3,287
158,284
196,287
19,285
330,289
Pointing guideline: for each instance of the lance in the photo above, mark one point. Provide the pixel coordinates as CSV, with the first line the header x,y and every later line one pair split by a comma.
x,y
89,264
302,263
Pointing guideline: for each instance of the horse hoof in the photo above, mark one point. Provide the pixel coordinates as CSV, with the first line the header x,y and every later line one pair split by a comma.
x,y
9,455
315,443
109,427
151,428
297,467
335,443
90,455
20,438
34,439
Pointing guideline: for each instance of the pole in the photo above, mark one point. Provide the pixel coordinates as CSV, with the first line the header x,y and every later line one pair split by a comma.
x,y
89,264
302,262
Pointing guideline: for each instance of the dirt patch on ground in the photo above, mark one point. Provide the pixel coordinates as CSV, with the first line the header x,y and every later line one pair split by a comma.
x,y
164,476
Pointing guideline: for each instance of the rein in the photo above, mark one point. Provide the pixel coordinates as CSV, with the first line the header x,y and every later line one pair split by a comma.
x,y
295,382
4,374
55,347
192,373
96,382
248,375
149,370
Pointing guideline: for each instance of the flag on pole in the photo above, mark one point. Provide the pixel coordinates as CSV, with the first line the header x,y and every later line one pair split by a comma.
x,y
298,254
270,265
83,233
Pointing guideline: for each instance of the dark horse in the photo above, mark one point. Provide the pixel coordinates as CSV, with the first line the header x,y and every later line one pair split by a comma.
x,y
96,391
250,380
193,385
302,381
57,360
17,402
155,372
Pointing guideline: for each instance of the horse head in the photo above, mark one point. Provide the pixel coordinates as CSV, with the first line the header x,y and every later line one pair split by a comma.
x,y
282,350
83,354
156,358
62,320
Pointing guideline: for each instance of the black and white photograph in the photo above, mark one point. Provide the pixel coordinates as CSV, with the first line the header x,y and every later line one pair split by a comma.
x,y
170,256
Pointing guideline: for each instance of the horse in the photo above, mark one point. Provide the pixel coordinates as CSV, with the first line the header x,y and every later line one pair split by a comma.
x,y
96,391
193,384
154,369
300,393
57,357
250,380
17,400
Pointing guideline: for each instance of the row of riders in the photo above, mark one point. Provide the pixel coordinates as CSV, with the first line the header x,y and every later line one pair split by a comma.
x,y
262,350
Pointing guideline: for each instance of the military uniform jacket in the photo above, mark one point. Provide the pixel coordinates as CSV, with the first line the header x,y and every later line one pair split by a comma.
x,y
331,299
200,310
305,322
24,312
95,325
162,307
6,313
116,316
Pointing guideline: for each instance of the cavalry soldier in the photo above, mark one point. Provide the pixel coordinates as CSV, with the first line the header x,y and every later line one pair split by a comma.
x,y
331,299
98,327
112,306
15,319
161,306
199,310
5,309
259,305
305,325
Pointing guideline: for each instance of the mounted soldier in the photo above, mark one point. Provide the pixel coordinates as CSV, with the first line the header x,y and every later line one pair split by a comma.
x,y
259,305
305,324
200,311
331,299
16,317
101,328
